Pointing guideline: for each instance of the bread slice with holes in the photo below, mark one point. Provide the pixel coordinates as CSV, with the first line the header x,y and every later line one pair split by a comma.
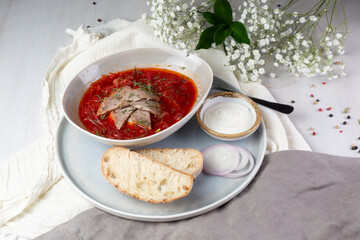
x,y
144,178
186,160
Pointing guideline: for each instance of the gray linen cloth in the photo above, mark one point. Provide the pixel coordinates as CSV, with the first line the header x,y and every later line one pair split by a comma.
x,y
295,195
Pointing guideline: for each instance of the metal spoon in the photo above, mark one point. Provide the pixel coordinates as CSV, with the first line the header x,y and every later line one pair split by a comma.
x,y
221,84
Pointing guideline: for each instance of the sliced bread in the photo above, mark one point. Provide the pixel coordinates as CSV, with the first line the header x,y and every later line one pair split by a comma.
x,y
186,160
144,178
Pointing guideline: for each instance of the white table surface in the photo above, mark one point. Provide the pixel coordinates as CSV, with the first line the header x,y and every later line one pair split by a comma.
x,y
31,33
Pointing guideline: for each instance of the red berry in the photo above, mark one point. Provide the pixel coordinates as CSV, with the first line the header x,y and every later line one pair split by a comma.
x,y
320,109
314,133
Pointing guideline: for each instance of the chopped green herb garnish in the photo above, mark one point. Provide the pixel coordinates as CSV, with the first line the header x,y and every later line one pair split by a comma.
x,y
100,98
102,117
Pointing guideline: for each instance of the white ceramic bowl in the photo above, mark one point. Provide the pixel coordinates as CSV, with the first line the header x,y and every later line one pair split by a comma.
x,y
229,97
191,66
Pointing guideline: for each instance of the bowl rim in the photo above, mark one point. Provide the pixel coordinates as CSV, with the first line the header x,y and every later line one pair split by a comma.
x,y
137,140
254,106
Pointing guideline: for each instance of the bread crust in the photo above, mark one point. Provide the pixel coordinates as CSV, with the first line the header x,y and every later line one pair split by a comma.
x,y
106,174
194,173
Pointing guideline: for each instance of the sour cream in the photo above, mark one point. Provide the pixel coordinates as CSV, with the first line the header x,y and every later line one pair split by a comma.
x,y
228,117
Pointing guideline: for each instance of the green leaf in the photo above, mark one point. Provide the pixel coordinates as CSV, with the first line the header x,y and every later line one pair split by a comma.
x,y
222,33
223,11
239,33
210,18
207,38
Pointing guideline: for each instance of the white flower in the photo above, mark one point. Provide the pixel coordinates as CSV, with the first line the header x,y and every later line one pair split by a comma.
x,y
276,64
305,43
302,20
313,18
272,75
261,70
338,35
262,20
278,56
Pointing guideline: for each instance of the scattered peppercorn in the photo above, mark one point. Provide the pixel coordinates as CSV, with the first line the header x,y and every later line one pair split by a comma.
x,y
99,20
354,147
320,109
329,108
94,3
292,101
314,133
279,5
359,138
313,86
359,151
348,117
337,63
340,131
330,115
337,127
315,102
346,110
310,129
344,122
318,100
323,83
87,26
312,95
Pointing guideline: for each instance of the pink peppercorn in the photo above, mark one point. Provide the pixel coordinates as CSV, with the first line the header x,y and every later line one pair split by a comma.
x,y
314,133
320,109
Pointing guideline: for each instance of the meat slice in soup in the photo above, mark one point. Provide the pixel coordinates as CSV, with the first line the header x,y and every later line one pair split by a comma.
x,y
121,115
122,97
141,117
146,105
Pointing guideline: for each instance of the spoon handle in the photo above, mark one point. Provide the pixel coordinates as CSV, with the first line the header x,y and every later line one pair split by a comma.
x,y
283,108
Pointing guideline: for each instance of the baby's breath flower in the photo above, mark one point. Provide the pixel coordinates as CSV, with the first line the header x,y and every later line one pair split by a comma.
x,y
277,35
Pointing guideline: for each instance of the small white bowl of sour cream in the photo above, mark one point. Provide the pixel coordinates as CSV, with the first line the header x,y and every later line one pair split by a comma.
x,y
228,116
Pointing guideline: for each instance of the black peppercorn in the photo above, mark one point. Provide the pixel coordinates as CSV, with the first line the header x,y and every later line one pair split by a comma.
x,y
354,147
348,117
330,115
344,122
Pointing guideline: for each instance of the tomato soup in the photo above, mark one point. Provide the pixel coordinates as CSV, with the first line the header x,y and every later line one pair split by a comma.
x,y
174,95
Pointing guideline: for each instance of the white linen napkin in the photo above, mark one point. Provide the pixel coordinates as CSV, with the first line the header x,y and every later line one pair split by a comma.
x,y
34,197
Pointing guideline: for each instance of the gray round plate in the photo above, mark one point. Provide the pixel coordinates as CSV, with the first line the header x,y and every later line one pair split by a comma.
x,y
79,158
